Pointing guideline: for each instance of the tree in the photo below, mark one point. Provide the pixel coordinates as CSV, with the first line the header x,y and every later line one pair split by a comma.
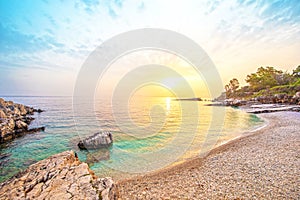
x,y
296,72
232,87
265,78
227,90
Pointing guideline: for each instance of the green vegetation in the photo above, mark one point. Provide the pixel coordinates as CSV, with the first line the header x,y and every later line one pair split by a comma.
x,y
267,81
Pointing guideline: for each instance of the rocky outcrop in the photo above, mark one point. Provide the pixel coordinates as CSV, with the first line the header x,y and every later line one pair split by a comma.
x,y
279,98
229,102
15,119
268,108
96,141
61,176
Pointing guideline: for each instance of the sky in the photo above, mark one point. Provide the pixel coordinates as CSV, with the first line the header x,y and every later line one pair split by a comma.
x,y
43,44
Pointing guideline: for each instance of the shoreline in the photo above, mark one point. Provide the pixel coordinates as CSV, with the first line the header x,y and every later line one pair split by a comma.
x,y
218,147
272,122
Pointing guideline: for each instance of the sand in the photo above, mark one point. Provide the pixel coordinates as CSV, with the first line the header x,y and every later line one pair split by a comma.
x,y
263,165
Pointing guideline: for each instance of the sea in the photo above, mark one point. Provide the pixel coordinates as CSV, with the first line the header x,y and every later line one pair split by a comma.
x,y
149,133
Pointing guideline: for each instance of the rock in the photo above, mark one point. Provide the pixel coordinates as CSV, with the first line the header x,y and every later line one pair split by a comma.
x,y
30,111
14,121
27,119
268,108
11,124
296,98
38,129
2,114
108,186
22,109
61,176
96,141
229,102
4,155
21,125
38,110
2,102
100,154
9,103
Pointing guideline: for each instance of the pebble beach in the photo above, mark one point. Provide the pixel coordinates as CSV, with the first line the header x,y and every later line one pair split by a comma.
x,y
263,164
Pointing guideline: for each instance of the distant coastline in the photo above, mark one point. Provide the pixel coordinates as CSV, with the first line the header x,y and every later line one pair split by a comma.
x,y
188,99
267,86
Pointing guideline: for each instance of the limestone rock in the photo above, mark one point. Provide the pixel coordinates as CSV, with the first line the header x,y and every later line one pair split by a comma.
x,y
22,109
21,125
2,114
61,176
2,101
14,120
96,141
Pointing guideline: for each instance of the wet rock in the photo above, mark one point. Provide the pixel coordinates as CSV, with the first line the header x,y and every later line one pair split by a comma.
x,y
4,156
33,130
98,155
61,176
38,110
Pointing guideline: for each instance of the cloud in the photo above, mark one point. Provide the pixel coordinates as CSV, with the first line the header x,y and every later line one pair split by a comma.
x,y
13,41
59,35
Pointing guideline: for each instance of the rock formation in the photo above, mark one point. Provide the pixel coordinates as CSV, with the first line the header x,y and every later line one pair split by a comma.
x,y
267,108
15,119
96,141
61,176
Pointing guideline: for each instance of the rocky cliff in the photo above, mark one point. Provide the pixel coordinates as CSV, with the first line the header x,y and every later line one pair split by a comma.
x,y
61,176
15,119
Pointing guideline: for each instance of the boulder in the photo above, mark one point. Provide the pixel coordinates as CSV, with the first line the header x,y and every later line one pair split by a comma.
x,y
2,102
30,111
297,96
2,114
96,141
98,155
21,125
34,130
9,103
11,124
22,109
38,110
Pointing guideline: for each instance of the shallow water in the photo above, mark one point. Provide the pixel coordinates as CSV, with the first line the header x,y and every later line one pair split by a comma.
x,y
149,133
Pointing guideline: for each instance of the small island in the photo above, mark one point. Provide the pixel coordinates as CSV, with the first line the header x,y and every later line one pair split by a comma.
x,y
188,99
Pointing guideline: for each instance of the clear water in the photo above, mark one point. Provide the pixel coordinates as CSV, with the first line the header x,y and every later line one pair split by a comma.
x,y
178,131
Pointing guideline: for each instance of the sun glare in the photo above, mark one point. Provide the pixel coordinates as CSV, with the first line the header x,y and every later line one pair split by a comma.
x,y
168,103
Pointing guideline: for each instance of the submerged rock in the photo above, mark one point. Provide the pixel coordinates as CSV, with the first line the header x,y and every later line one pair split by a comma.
x,y
61,176
97,155
96,141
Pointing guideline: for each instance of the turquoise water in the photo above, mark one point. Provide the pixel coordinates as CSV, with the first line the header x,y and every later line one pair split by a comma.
x,y
157,138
